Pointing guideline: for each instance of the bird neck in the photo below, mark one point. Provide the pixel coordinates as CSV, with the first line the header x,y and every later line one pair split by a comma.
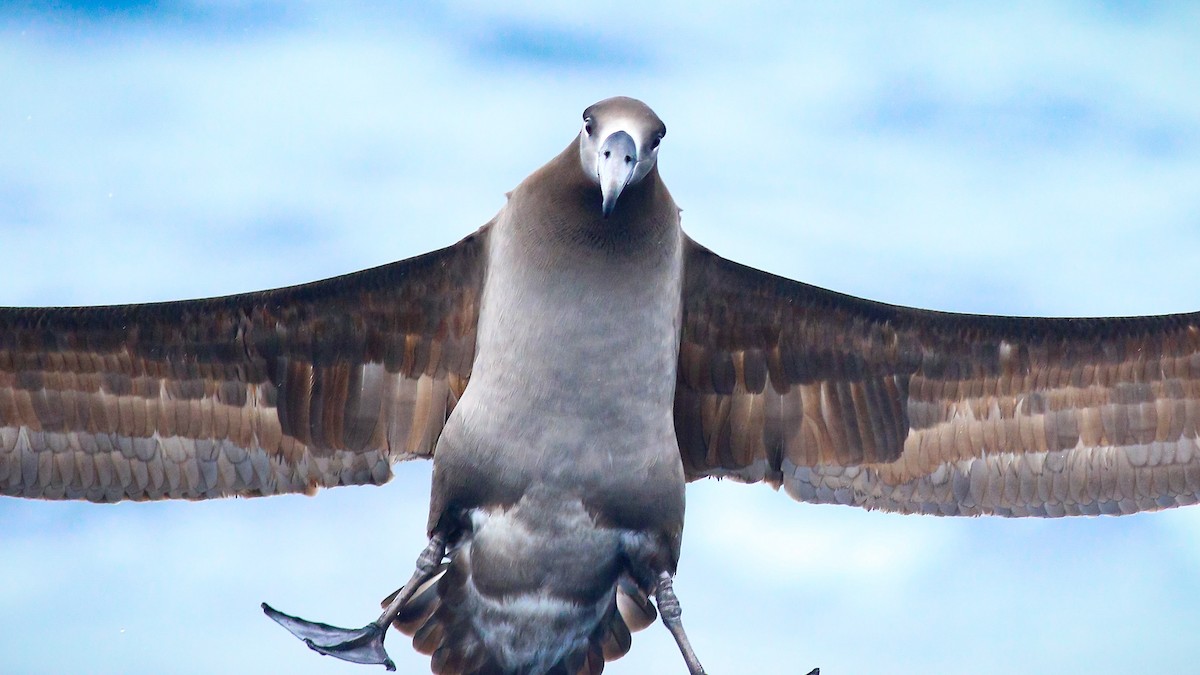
x,y
561,211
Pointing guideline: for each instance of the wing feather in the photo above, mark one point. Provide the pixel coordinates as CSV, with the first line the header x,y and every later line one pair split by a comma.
x,y
287,390
843,400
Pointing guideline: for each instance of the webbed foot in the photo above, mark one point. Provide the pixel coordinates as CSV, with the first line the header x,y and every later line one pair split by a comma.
x,y
364,645
356,645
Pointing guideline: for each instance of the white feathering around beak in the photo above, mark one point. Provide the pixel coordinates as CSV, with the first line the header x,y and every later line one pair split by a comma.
x,y
616,161
618,146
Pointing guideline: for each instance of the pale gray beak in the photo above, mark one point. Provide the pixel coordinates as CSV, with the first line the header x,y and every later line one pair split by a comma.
x,y
616,161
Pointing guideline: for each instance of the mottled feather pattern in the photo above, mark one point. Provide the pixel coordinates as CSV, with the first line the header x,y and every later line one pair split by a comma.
x,y
843,400
429,620
533,587
289,390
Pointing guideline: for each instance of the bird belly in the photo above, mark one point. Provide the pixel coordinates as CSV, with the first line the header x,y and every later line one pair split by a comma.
x,y
625,470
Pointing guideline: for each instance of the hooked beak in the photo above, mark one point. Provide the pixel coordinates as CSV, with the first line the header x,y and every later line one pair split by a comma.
x,y
615,163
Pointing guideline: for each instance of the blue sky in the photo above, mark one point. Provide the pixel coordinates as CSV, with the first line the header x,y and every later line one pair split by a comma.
x,y
1026,158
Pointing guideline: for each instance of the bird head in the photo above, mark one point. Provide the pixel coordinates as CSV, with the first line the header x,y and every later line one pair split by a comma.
x,y
618,145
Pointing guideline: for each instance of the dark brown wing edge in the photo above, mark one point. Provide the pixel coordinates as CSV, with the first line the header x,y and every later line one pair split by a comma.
x,y
288,390
843,400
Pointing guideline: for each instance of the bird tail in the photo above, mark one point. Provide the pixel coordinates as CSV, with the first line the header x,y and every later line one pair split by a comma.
x,y
439,618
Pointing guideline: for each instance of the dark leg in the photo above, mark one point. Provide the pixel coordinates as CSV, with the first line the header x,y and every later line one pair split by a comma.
x,y
363,645
668,607
427,565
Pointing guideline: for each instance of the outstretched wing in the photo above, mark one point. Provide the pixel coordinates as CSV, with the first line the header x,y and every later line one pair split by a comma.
x,y
843,400
286,390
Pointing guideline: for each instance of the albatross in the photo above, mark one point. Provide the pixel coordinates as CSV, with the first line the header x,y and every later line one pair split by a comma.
x,y
568,368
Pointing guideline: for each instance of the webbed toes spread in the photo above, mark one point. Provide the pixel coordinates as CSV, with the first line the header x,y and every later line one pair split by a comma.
x,y
356,645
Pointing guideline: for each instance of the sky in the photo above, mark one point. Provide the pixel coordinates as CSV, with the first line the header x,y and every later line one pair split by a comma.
x,y
1034,158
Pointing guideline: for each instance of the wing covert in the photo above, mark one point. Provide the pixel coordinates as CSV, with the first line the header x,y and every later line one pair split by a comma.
x,y
287,390
844,400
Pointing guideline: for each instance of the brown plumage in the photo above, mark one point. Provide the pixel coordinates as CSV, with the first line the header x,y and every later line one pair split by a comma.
x,y
562,336
843,400
282,391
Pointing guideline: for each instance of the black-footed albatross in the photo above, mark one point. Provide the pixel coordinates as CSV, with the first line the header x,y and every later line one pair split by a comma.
x,y
569,368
